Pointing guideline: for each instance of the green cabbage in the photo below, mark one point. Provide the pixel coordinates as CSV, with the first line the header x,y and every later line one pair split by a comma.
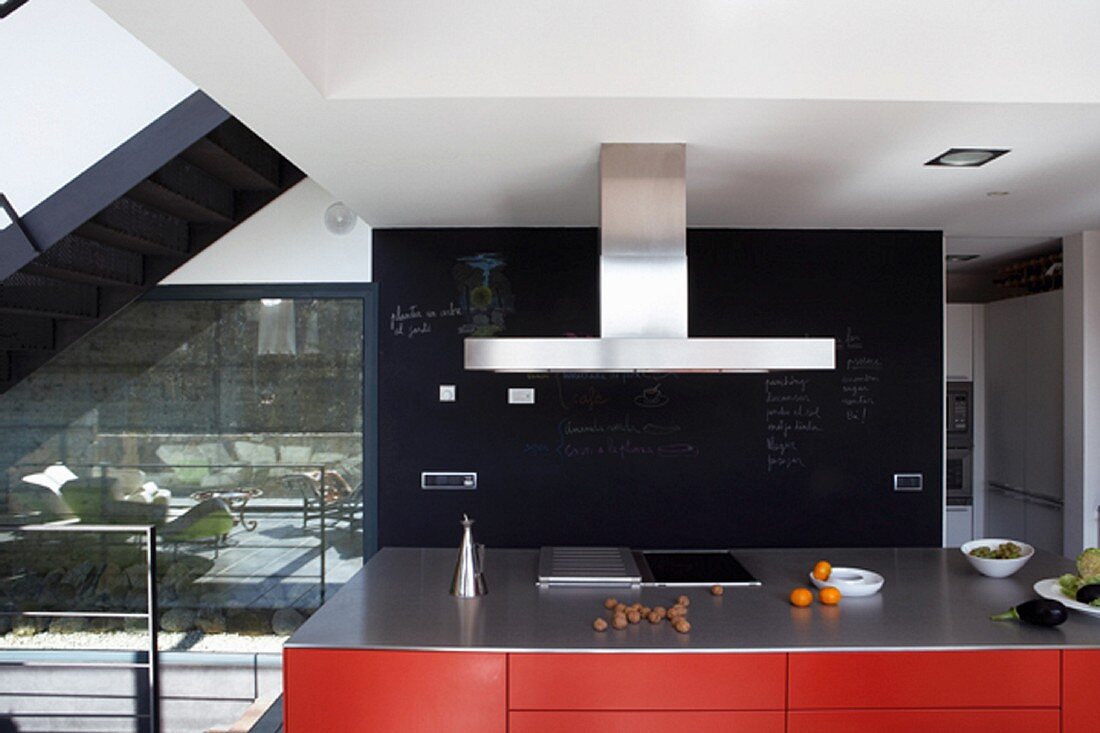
x,y
1088,563
1069,584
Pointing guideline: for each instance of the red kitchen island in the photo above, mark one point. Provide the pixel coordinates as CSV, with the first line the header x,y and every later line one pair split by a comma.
x,y
393,652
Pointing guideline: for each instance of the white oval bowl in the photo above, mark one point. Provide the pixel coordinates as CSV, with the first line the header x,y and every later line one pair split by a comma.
x,y
851,582
997,568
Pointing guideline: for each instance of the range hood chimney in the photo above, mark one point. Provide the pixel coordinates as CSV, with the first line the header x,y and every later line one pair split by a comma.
x,y
643,289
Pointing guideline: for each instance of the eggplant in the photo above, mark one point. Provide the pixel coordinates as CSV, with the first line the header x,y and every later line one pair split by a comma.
x,y
1089,594
1041,612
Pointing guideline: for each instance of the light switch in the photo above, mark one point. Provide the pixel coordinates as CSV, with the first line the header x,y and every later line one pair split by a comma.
x,y
521,395
448,393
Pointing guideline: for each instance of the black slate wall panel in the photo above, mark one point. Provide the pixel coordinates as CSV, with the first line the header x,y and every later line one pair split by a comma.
x,y
786,459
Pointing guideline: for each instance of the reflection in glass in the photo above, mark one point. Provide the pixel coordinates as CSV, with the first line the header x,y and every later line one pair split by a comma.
x,y
234,427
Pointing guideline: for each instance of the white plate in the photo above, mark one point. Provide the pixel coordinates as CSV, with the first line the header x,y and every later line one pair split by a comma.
x,y
1050,589
851,582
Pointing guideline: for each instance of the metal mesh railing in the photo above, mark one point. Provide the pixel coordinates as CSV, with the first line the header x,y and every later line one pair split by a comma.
x,y
148,712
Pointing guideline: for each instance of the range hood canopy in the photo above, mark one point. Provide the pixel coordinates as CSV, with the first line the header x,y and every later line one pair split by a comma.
x,y
643,289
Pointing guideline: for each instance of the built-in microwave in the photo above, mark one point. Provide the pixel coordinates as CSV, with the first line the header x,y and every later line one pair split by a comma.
x,y
960,476
960,415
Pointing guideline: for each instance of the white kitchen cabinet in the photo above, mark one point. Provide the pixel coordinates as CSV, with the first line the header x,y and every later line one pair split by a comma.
x,y
1024,413
1006,392
960,342
1043,522
960,525
1006,514
1043,447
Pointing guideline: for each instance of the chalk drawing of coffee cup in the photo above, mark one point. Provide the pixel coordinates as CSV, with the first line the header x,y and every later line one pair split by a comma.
x,y
651,397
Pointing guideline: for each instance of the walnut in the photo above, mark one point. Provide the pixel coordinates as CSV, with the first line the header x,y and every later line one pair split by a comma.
x,y
618,621
610,603
653,617
676,611
661,611
646,610
717,590
633,616
620,608
683,601
682,625
599,625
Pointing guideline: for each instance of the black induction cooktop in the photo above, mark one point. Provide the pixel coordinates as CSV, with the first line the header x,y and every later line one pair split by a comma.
x,y
692,568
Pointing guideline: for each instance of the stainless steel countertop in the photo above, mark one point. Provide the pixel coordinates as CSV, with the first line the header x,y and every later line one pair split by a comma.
x,y
932,599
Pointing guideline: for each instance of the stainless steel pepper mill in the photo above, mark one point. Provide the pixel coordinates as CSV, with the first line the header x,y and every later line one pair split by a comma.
x,y
469,580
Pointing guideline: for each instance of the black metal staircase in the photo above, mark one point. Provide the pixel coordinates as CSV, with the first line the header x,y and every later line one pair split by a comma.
x,y
67,271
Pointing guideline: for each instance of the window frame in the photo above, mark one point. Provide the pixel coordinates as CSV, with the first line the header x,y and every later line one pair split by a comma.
x,y
365,292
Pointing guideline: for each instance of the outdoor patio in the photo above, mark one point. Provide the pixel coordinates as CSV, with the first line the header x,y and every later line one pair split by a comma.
x,y
279,563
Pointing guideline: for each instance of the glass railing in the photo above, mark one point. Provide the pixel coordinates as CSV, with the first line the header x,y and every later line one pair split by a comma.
x,y
245,552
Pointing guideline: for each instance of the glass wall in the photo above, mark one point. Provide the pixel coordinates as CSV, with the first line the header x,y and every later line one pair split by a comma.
x,y
233,426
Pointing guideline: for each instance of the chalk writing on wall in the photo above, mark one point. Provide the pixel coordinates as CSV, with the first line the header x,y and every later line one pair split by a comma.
x,y
612,417
410,321
793,415
860,378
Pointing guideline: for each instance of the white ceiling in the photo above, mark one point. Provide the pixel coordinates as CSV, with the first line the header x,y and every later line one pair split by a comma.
x,y
796,113
77,87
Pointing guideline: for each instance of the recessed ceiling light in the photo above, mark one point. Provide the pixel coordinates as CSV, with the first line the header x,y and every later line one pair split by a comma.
x,y
961,258
967,157
996,193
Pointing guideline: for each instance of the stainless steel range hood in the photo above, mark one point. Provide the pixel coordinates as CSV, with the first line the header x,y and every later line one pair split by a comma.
x,y
643,289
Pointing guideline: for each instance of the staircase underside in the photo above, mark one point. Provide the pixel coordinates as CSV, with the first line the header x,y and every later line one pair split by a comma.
x,y
182,203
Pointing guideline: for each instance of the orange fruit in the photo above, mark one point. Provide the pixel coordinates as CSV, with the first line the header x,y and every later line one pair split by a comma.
x,y
829,595
823,570
801,597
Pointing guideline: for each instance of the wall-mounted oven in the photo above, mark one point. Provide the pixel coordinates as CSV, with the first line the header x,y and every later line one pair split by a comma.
x,y
960,443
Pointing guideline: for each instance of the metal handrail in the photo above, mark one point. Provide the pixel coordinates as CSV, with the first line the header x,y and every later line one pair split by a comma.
x,y
152,664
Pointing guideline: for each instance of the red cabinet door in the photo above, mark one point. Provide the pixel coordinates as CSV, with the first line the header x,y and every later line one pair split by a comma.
x,y
398,692
645,722
647,681
993,679
924,721
1080,691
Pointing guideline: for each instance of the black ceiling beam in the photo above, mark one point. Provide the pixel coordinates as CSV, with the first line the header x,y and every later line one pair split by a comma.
x,y
16,248
10,6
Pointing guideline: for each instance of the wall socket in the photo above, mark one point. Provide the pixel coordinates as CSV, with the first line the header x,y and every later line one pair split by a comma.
x,y
908,482
521,395
449,480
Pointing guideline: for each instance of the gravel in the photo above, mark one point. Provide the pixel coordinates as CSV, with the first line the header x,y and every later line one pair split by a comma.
x,y
125,640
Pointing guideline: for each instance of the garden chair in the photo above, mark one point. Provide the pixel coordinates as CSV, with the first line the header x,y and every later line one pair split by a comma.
x,y
340,500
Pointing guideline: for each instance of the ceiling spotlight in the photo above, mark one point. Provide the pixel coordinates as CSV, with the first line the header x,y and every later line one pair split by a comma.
x,y
339,218
960,258
967,157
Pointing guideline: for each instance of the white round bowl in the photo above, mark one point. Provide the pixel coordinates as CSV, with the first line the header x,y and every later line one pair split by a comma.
x,y
851,582
997,568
